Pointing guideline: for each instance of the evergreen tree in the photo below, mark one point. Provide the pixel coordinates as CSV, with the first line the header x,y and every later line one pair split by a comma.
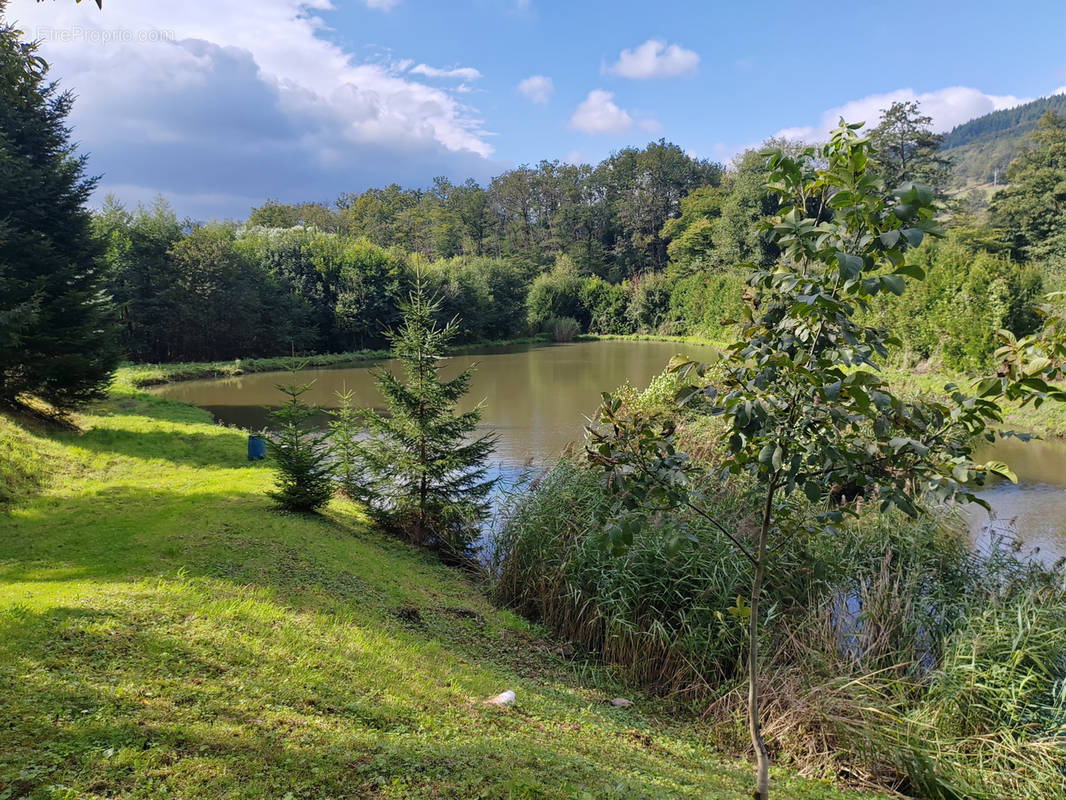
x,y
424,475
907,149
344,436
57,335
1032,207
302,453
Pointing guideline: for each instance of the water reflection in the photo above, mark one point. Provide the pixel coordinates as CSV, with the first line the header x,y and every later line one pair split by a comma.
x,y
1034,510
536,398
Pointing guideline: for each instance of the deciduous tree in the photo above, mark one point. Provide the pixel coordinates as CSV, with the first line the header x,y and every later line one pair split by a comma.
x,y
807,416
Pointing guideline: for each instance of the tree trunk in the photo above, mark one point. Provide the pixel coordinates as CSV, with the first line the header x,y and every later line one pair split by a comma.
x,y
762,758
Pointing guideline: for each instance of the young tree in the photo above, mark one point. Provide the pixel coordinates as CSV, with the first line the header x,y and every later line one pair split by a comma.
x,y
908,150
344,436
807,416
302,452
424,474
57,334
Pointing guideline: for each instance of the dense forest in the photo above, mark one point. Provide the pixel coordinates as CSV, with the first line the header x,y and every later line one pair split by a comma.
x,y
982,149
648,241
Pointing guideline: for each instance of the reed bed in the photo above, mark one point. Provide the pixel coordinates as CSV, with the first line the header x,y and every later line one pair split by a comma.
x,y
895,656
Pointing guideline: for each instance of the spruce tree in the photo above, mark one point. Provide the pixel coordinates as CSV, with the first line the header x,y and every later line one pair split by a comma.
x,y
58,339
302,453
425,475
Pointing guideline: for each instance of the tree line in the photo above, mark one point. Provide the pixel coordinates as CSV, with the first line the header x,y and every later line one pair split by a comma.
x,y
650,240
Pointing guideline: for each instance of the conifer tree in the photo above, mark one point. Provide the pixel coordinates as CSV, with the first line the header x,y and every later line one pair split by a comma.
x,y
425,474
302,453
58,339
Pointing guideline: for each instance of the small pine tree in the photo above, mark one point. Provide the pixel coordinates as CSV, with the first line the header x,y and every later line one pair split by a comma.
x,y
344,436
302,452
425,476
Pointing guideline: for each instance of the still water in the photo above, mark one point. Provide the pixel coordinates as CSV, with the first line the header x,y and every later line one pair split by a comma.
x,y
538,398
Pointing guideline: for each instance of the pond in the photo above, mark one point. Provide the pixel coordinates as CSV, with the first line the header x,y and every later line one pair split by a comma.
x,y
538,398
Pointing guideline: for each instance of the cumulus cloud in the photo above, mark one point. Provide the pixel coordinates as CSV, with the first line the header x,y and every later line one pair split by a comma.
x,y
537,88
598,114
948,107
1060,90
213,106
462,73
654,59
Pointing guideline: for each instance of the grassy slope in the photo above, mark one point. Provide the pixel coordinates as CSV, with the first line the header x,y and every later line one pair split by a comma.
x,y
164,633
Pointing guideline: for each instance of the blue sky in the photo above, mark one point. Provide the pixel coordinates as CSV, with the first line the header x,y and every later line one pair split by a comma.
x,y
219,104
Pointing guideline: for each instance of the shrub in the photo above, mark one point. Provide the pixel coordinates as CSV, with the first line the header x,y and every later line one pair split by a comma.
x,y
564,329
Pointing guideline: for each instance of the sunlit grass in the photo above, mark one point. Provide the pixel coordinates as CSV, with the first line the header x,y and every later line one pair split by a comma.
x,y
165,633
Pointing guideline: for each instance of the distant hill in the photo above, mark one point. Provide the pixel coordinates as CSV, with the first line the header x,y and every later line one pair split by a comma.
x,y
983,147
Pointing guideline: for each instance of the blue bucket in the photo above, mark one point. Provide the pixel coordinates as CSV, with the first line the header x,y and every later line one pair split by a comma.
x,y
257,448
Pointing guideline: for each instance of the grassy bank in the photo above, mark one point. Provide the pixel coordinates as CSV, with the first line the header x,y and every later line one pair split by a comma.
x,y
143,375
164,633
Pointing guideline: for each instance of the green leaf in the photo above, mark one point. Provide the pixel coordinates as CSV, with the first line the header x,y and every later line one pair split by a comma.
x,y
889,238
1001,469
911,271
894,284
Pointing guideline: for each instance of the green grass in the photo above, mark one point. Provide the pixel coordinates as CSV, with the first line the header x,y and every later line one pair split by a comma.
x,y
165,633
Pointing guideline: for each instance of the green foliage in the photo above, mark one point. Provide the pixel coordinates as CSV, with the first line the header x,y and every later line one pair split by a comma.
x,y
893,651
1032,209
57,332
564,329
606,304
301,452
344,442
808,420
649,301
702,303
556,294
424,472
907,149
718,226
968,295
488,294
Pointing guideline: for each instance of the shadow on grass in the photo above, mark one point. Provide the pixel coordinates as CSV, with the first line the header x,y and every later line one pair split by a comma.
x,y
145,699
153,428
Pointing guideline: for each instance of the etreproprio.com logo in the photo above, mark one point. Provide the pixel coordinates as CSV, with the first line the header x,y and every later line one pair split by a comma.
x,y
77,33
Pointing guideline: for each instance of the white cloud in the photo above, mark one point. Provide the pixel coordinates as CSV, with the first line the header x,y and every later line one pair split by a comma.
x,y
650,125
462,73
598,114
948,107
203,100
537,88
382,5
654,59
1060,90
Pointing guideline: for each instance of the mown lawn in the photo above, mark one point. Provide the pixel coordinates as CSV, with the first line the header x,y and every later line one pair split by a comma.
x,y
164,633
